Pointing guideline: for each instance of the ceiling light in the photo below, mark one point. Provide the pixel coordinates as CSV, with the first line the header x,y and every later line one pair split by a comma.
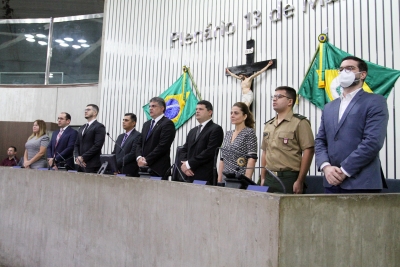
x,y
76,46
64,44
59,41
41,35
29,36
68,39
30,40
85,45
42,42
82,41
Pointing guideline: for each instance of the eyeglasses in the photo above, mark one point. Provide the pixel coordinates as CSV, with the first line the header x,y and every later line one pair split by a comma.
x,y
278,96
88,109
346,69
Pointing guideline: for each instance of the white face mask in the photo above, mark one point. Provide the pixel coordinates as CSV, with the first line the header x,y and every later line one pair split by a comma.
x,y
348,79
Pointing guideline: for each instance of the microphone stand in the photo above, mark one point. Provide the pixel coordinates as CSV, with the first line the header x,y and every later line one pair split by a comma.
x,y
80,164
65,160
16,163
53,162
123,157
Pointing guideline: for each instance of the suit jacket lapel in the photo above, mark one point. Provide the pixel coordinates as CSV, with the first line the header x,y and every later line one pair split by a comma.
x,y
90,127
154,127
336,107
205,129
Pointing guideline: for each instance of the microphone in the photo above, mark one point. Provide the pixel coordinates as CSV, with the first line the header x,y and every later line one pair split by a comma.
x,y
65,160
242,159
123,157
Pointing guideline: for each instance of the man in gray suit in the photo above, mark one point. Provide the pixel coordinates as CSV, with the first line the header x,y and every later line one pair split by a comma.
x,y
125,147
352,132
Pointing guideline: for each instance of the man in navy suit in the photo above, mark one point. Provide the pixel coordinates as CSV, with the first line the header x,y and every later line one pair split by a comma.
x,y
352,132
125,147
90,140
198,152
157,137
61,148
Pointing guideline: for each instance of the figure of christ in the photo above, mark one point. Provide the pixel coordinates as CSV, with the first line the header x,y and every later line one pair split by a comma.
x,y
247,93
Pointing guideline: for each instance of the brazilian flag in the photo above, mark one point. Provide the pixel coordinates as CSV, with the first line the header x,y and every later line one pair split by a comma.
x,y
321,83
180,101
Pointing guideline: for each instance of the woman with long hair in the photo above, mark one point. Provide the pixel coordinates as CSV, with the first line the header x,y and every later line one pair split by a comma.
x,y
36,146
239,144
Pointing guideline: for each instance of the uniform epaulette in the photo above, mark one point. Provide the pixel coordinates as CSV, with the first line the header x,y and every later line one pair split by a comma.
x,y
300,117
270,120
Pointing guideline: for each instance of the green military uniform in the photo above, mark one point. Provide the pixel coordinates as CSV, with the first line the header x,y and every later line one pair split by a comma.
x,y
283,145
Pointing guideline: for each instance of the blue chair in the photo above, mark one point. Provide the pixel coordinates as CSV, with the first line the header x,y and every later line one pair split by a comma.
x,y
16,167
155,178
121,174
43,169
199,182
72,171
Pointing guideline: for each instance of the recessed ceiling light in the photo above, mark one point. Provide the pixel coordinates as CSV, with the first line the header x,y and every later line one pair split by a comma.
x,y
76,46
42,42
59,41
30,40
64,44
68,39
41,35
82,41
85,45
29,36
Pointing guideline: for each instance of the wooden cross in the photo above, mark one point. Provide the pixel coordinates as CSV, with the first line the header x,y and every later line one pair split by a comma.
x,y
250,67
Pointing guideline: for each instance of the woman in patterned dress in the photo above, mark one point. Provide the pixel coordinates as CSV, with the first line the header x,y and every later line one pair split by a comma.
x,y
35,147
238,143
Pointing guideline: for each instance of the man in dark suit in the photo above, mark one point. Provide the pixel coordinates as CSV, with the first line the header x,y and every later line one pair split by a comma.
x,y
157,137
125,147
60,151
90,140
198,152
352,132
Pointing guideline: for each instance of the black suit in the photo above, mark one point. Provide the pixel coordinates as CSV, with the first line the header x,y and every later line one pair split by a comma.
x,y
64,149
127,155
200,152
89,145
157,147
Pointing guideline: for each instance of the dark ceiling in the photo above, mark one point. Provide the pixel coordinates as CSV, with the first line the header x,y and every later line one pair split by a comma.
x,y
21,9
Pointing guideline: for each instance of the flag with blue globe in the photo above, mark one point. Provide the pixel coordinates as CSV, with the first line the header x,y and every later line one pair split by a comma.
x,y
180,101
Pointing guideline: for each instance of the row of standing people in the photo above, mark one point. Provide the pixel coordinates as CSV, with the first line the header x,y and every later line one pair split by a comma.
x,y
352,132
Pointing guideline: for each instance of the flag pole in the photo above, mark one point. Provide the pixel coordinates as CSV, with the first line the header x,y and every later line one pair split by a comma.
x,y
187,69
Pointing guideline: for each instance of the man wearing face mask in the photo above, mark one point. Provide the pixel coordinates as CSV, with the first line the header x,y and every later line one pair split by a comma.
x,y
352,132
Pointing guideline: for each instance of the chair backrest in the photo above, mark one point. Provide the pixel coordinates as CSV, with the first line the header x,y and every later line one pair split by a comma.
x,y
155,178
199,182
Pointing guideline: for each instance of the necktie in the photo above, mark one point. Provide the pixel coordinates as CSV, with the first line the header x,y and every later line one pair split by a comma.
x,y
58,136
151,128
84,129
123,140
198,131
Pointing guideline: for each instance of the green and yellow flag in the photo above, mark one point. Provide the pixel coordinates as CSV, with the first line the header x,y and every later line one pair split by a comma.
x,y
180,101
321,83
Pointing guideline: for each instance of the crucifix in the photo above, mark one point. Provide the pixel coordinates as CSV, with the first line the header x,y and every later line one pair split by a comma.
x,y
247,73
